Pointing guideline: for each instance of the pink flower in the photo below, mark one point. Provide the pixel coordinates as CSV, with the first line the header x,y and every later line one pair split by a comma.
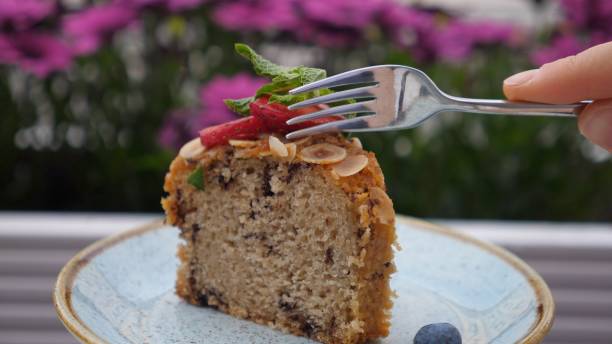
x,y
184,124
88,29
333,23
404,24
341,13
178,128
560,47
258,15
171,5
21,14
221,87
38,53
456,40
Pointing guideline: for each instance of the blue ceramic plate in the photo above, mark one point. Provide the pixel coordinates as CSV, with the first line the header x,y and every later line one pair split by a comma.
x,y
121,290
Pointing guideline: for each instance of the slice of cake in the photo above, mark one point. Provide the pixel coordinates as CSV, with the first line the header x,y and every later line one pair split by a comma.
x,y
296,235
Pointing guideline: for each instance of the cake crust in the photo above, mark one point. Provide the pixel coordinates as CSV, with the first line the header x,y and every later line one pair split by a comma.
x,y
284,242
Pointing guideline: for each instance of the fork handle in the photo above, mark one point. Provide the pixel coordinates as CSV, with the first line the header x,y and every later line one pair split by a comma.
x,y
504,107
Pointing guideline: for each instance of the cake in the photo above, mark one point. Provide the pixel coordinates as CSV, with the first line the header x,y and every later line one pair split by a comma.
x,y
296,235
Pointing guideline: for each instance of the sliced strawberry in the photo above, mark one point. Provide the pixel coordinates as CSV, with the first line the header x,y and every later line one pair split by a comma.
x,y
265,118
241,129
274,116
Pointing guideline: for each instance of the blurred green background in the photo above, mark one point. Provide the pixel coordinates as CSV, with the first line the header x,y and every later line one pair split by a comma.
x,y
85,135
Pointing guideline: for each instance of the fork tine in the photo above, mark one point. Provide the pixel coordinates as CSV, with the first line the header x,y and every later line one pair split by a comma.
x,y
346,124
336,110
356,76
361,92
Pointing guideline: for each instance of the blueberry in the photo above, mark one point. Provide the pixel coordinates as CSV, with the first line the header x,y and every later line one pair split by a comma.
x,y
440,333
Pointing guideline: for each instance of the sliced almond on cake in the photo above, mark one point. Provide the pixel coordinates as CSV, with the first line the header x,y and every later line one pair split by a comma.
x,y
322,153
192,149
292,150
277,147
350,166
243,143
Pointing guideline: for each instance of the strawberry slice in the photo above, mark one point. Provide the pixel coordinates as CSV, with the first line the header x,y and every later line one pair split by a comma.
x,y
265,118
275,115
247,128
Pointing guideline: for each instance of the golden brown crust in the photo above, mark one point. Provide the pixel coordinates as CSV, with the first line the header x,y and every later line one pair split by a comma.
x,y
377,233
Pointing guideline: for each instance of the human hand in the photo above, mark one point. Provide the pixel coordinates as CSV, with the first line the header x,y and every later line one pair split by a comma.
x,y
587,75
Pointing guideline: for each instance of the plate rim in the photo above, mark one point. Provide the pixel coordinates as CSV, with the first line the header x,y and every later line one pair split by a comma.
x,y
63,285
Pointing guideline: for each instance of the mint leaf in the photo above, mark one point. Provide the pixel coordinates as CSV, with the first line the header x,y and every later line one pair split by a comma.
x,y
288,99
280,87
261,65
308,75
239,106
196,178
282,78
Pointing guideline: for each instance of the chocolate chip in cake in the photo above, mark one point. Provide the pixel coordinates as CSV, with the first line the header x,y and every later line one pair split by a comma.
x,y
270,251
377,275
308,327
329,256
360,232
331,328
203,300
286,306
258,236
180,211
224,181
217,295
265,186
195,228
291,171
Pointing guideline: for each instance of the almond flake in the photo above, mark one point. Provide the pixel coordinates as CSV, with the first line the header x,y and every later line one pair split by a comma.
x,y
277,147
192,149
351,165
302,140
356,142
322,153
243,143
292,150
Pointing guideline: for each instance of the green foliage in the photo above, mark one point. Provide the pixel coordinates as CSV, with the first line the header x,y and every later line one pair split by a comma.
x,y
87,139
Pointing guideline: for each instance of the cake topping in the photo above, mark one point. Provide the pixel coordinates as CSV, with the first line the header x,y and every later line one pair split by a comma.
x,y
192,149
356,142
266,111
292,150
323,153
243,143
277,147
351,165
196,178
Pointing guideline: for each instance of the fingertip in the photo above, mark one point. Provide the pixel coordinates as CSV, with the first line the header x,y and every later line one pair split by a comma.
x,y
514,84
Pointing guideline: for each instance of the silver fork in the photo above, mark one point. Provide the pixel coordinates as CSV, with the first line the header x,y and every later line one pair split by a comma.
x,y
396,97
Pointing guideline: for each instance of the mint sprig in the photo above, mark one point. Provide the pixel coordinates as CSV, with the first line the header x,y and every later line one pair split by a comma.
x,y
282,78
239,106
196,178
